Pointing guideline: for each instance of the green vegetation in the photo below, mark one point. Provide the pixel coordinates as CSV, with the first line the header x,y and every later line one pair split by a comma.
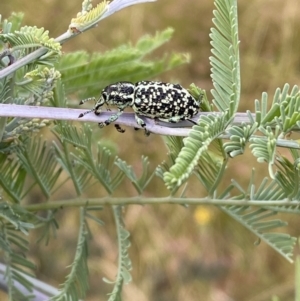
x,y
62,181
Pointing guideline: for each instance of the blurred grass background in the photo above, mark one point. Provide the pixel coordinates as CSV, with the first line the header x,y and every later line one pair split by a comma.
x,y
195,253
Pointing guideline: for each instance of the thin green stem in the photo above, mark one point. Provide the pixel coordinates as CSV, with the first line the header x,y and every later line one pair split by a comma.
x,y
139,200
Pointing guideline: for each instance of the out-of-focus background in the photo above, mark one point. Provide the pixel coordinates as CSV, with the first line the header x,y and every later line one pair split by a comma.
x,y
195,253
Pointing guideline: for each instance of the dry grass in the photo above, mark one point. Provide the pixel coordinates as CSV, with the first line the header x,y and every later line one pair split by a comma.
x,y
181,254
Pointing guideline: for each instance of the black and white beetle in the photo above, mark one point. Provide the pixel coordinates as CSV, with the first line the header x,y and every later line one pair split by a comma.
x,y
161,101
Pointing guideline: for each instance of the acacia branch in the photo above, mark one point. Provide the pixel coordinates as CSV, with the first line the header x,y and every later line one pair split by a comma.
x,y
141,200
126,119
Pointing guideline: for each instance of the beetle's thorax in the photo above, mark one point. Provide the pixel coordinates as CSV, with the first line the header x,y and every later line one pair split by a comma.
x,y
120,94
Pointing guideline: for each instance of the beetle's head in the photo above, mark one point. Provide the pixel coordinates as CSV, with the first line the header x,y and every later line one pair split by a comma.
x,y
120,94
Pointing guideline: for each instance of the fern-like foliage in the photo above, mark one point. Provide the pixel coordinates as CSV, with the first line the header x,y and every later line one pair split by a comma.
x,y
16,216
76,284
80,177
174,145
100,167
225,59
14,246
4,91
212,164
88,17
239,137
260,221
226,80
32,84
90,73
273,124
40,163
11,24
35,88
49,225
264,149
287,176
40,83
4,98
86,161
139,183
201,136
124,265
12,178
284,111
210,169
29,38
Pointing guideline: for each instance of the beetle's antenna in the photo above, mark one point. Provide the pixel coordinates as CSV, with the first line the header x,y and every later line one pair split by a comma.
x,y
82,102
86,112
85,100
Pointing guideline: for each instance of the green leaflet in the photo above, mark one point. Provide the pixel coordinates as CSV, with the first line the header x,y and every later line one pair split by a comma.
x,y
88,74
124,264
287,176
226,93
88,17
261,221
265,149
141,183
225,60
40,163
77,283
201,136
239,137
29,38
14,223
258,222
12,178
99,166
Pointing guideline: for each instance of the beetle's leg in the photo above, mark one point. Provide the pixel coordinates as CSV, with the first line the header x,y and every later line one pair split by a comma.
x,y
111,119
192,121
119,129
175,119
142,123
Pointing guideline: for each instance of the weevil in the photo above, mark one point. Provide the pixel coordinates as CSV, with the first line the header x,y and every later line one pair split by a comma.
x,y
162,101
